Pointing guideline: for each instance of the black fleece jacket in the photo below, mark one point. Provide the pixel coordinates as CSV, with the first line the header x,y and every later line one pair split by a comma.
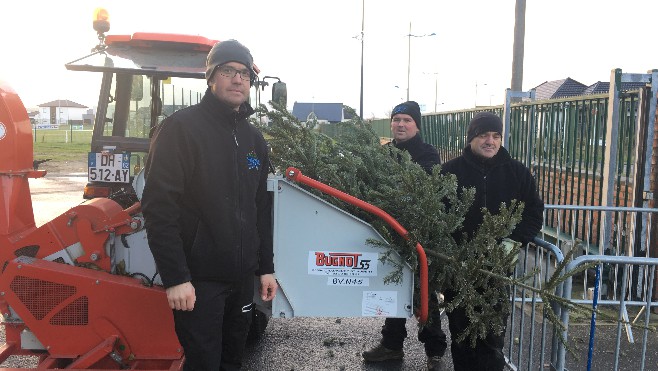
x,y
424,154
207,211
496,180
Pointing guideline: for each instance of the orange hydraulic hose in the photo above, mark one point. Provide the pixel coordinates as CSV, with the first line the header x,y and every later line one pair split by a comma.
x,y
296,175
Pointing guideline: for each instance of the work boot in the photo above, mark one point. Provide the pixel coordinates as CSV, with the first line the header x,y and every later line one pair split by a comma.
x,y
381,353
435,363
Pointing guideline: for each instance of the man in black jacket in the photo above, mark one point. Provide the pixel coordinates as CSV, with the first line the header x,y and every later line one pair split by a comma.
x,y
405,127
496,177
208,213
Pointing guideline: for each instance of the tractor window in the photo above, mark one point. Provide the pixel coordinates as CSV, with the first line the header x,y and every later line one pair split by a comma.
x,y
177,93
139,102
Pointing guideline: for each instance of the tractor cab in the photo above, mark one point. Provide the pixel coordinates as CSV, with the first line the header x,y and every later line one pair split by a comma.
x,y
145,78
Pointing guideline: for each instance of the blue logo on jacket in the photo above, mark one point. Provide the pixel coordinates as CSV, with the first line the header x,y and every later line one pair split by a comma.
x,y
252,161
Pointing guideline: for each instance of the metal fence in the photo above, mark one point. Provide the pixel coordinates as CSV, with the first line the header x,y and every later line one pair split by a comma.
x,y
530,341
587,150
619,286
607,349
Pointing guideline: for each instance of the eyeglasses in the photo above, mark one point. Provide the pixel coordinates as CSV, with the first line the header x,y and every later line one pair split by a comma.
x,y
230,72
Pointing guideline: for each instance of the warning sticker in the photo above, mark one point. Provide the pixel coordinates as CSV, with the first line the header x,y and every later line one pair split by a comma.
x,y
379,304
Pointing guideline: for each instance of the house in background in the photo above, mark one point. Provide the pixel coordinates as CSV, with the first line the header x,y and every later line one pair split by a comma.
x,y
571,88
604,87
559,89
60,112
325,113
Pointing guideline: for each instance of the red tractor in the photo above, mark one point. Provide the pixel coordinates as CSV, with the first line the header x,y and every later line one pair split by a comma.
x,y
81,291
145,77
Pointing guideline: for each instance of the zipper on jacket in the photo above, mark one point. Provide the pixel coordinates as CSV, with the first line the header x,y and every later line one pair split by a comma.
x,y
239,194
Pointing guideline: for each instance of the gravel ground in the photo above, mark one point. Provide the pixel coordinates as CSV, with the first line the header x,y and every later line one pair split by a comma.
x,y
330,344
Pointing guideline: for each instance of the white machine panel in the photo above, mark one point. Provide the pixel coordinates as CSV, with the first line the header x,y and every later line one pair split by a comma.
x,y
323,264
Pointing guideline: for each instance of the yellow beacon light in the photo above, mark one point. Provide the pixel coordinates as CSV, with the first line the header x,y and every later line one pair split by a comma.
x,y
101,20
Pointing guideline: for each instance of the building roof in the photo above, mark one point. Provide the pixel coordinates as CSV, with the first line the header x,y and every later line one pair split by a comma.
x,y
332,112
559,89
600,87
62,103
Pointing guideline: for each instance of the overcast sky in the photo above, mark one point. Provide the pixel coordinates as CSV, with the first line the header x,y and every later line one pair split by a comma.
x,y
310,45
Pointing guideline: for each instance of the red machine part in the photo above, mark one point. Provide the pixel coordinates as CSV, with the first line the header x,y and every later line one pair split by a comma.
x,y
87,318
89,223
16,164
296,175
85,315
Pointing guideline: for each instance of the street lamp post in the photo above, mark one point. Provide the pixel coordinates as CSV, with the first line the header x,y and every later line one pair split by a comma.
x,y
360,37
436,90
409,35
476,92
363,15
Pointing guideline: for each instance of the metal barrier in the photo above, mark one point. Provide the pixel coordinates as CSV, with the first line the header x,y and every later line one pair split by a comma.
x,y
626,294
635,356
582,227
526,345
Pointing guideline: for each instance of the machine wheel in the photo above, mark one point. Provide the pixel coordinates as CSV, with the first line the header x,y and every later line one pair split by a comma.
x,y
259,322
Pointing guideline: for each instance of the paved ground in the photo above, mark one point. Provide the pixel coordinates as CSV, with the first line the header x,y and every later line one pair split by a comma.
x,y
330,344
56,193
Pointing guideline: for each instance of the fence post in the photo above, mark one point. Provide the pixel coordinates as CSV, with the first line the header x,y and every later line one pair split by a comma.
x,y
647,228
644,152
610,158
507,110
611,148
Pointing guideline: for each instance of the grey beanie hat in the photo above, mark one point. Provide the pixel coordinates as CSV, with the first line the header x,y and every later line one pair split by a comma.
x,y
410,108
483,122
228,51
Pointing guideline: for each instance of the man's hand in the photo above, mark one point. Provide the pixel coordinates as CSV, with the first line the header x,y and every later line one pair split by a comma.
x,y
510,245
181,297
268,287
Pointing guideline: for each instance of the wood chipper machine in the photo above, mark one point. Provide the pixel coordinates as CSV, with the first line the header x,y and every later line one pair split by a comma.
x,y
82,291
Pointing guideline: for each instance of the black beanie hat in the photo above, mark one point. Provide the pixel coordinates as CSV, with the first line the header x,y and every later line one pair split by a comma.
x,y
228,51
483,122
410,108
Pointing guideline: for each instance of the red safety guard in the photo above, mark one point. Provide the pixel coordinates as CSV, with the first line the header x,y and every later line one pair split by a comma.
x,y
296,175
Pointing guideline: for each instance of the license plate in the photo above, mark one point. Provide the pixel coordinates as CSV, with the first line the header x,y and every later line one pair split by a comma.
x,y
109,167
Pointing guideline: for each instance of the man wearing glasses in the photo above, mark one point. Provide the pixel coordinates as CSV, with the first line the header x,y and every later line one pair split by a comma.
x,y
208,213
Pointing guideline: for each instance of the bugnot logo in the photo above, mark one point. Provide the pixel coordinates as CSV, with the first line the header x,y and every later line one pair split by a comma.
x,y
340,260
346,263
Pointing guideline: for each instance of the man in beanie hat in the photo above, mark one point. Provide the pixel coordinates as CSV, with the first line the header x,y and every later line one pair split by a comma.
x,y
208,213
405,127
497,178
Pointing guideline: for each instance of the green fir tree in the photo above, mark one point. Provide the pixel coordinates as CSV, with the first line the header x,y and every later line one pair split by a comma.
x,y
430,207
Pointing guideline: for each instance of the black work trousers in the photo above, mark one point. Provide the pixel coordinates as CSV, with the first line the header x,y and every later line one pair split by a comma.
x,y
431,334
214,334
488,352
